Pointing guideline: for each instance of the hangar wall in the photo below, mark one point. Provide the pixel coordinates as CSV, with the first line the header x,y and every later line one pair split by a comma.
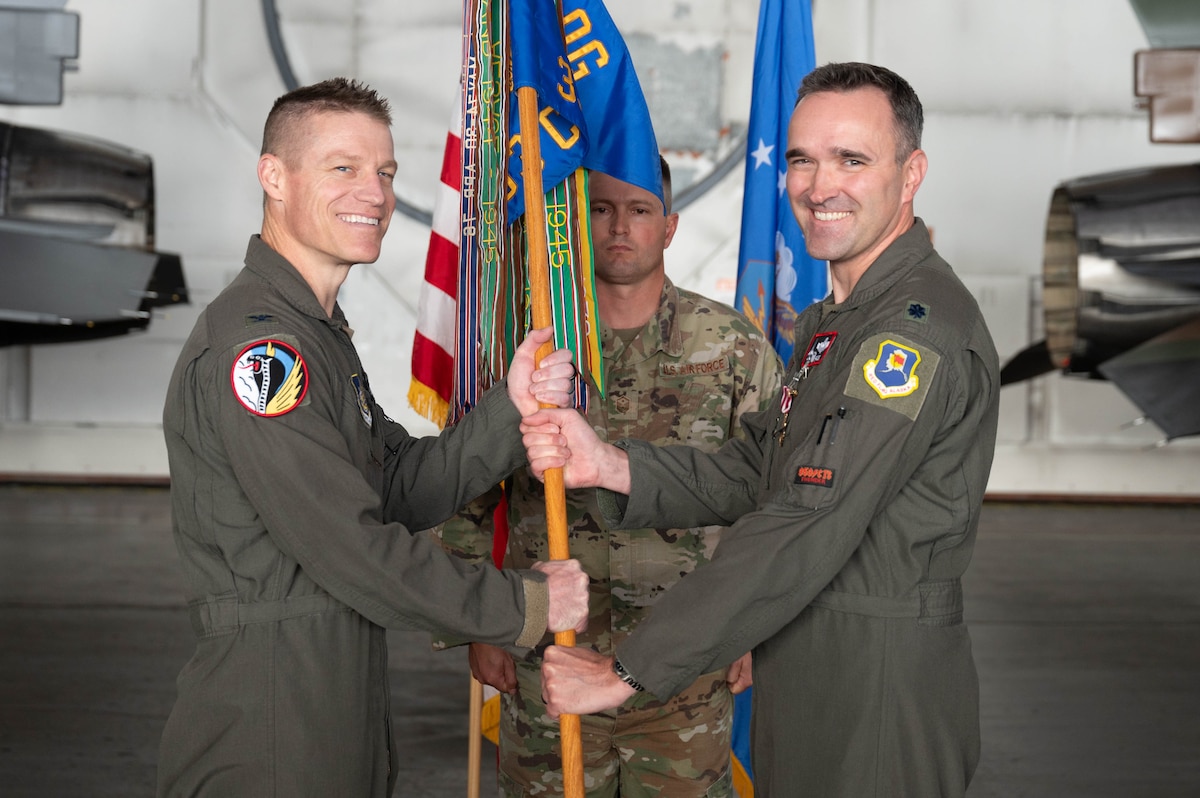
x,y
1019,96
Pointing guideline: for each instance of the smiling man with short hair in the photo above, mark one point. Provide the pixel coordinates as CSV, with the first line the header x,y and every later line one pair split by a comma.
x,y
853,504
294,497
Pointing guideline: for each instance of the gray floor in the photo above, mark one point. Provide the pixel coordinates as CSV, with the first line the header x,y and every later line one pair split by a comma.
x,y
1085,619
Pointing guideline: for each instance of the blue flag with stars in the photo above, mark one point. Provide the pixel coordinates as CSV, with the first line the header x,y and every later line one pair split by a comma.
x,y
776,278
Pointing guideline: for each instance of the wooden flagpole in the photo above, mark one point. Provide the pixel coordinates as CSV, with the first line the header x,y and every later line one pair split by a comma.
x,y
474,744
543,316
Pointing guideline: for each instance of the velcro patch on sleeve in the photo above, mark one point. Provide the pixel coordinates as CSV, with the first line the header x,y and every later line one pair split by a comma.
x,y
269,377
915,310
892,372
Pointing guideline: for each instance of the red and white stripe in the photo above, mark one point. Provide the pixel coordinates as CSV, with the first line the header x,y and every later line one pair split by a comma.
x,y
433,344
433,366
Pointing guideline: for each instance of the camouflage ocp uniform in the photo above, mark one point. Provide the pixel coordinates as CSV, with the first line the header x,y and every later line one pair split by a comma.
x,y
686,377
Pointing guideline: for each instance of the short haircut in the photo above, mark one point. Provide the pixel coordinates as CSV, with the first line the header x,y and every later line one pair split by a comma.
x,y
666,180
336,95
906,107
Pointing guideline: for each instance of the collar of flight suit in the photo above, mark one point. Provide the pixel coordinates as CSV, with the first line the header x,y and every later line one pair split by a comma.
x,y
281,275
910,248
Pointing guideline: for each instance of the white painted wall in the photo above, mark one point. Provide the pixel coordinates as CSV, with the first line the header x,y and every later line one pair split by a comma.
x,y
1019,96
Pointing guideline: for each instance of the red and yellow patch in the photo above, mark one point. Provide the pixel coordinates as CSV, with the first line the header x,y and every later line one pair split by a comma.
x,y
814,475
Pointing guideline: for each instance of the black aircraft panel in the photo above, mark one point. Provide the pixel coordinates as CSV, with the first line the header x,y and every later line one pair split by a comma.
x,y
77,256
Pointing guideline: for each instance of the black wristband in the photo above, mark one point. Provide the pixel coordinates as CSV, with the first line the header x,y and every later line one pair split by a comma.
x,y
625,676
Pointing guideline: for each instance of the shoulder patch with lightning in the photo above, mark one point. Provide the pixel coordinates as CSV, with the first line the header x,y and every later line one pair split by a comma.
x,y
269,378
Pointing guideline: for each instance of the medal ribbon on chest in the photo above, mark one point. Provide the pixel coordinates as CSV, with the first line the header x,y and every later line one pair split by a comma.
x,y
818,347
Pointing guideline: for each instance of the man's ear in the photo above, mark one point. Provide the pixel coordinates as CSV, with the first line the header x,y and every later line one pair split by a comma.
x,y
914,173
672,224
271,174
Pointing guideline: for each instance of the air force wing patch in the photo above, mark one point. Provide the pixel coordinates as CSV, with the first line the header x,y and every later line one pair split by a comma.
x,y
269,378
893,372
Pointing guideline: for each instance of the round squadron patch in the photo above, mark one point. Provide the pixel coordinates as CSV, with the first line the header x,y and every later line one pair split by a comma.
x,y
269,378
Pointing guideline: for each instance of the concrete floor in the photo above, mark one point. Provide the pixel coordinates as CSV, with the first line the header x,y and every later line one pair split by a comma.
x,y
1085,620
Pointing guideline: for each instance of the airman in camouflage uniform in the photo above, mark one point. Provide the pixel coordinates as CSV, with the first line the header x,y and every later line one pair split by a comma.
x,y
686,376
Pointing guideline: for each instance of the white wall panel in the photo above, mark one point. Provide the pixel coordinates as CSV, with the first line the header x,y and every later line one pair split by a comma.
x,y
682,17
100,382
236,72
1065,56
703,255
164,34
391,14
322,48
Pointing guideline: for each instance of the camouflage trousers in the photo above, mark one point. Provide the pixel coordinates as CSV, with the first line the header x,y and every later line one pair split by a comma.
x,y
677,749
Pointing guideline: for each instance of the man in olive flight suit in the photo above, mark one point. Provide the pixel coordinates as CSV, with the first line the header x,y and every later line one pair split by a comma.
x,y
294,497
854,504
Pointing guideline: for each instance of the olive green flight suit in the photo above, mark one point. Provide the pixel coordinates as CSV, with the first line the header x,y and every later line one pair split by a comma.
x,y
294,502
854,516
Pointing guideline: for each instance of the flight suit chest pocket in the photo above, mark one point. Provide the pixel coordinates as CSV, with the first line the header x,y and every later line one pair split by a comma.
x,y
809,466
